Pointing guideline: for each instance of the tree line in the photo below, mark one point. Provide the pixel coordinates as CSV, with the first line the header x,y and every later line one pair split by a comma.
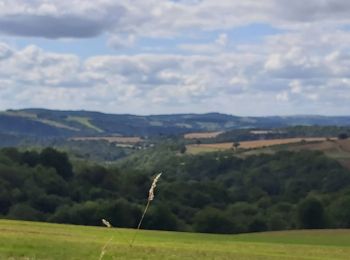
x,y
214,192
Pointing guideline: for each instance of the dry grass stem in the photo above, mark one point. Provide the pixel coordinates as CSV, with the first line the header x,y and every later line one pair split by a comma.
x,y
104,248
150,198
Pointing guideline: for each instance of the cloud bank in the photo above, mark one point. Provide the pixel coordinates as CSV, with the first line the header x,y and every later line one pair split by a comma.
x,y
303,69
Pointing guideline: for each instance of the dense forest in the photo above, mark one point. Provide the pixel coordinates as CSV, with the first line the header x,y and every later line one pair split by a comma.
x,y
214,192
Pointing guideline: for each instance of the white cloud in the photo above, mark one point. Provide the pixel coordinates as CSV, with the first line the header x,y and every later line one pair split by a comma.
x,y
296,71
295,86
220,44
121,42
282,78
283,96
222,40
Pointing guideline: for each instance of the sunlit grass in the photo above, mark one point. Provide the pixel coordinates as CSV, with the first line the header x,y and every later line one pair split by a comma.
x,y
30,240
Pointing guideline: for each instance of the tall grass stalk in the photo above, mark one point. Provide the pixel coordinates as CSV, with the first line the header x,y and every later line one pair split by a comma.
x,y
149,200
104,248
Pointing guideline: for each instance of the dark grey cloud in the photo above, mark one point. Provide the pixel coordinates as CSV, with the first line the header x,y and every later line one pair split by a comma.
x,y
312,10
64,26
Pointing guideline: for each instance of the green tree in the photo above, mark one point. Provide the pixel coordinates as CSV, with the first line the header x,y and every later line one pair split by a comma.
x,y
311,214
161,218
340,212
235,145
211,220
57,160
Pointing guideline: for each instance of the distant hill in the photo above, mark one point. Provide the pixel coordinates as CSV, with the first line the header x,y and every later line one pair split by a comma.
x,y
43,123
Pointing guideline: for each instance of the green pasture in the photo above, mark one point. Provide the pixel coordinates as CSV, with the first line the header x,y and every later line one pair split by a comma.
x,y
32,240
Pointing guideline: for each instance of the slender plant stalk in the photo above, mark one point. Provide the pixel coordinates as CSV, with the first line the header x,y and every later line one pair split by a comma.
x,y
140,222
104,248
143,215
150,198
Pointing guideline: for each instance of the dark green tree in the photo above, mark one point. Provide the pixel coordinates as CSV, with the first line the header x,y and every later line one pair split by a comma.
x,y
340,212
311,214
211,220
57,160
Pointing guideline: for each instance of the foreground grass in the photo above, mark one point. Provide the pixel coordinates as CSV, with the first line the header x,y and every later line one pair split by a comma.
x,y
31,240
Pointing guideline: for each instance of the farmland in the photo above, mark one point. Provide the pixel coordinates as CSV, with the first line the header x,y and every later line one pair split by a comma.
x,y
197,148
201,135
32,240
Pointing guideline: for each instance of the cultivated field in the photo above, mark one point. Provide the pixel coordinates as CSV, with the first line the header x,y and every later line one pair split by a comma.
x,y
111,139
202,135
29,240
194,148
336,149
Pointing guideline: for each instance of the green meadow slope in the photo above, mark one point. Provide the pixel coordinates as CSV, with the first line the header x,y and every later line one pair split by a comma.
x,y
32,240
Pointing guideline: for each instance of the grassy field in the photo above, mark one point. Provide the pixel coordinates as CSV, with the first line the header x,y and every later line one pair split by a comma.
x,y
85,121
29,240
34,117
111,139
198,148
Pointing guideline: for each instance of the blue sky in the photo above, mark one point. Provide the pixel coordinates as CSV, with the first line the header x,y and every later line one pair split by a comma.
x,y
272,57
246,34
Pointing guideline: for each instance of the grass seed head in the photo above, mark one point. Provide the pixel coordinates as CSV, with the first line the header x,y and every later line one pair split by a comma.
x,y
153,186
106,223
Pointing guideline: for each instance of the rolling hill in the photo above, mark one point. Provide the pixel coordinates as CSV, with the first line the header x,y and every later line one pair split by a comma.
x,y
45,123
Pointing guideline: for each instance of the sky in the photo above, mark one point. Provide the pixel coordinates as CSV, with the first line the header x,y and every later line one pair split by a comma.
x,y
248,58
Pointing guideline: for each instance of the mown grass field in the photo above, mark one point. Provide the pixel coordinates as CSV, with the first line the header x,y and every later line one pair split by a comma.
x,y
30,240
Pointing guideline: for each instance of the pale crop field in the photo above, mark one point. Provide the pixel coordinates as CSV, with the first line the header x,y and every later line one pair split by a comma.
x,y
201,135
31,240
197,148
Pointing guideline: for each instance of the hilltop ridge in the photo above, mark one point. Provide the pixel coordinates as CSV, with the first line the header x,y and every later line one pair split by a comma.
x,y
43,123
